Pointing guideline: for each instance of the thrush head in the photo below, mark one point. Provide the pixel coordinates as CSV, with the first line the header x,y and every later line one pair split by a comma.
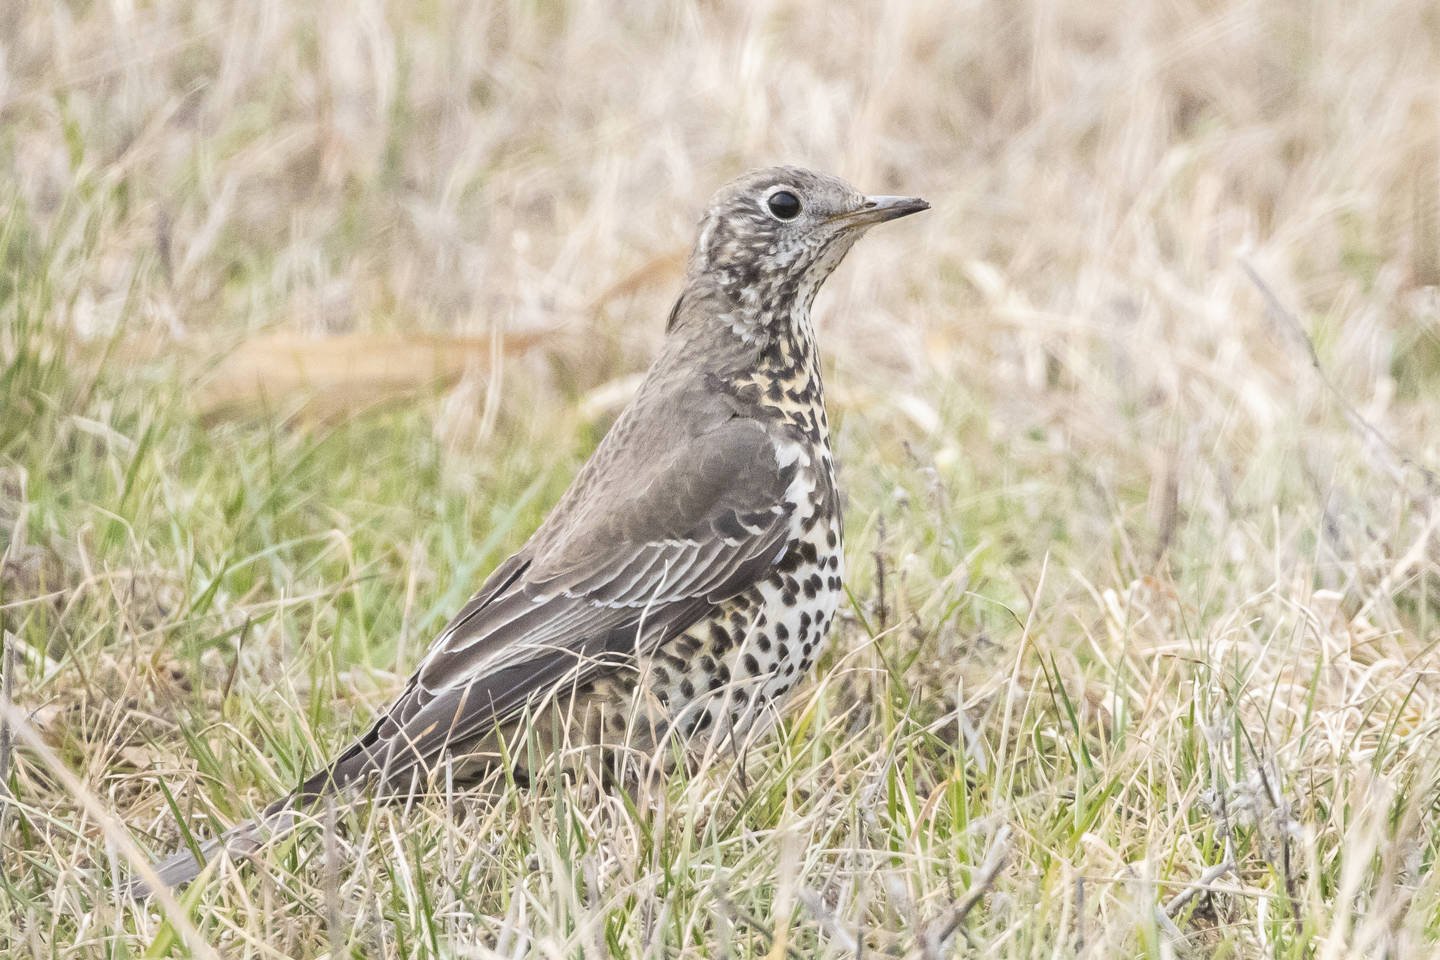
x,y
772,236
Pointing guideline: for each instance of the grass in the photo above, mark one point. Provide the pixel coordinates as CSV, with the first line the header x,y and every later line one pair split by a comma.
x,y
1138,428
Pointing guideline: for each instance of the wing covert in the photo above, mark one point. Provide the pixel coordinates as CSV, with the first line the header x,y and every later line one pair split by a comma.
x,y
596,584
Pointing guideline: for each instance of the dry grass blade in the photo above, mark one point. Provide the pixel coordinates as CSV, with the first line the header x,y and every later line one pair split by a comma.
x,y
1292,325
7,701
1139,560
935,940
114,831
328,378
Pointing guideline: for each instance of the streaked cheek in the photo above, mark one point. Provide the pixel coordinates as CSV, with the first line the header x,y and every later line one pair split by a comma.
x,y
785,255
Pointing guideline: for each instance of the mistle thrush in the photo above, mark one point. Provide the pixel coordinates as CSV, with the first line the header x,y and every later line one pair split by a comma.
x,y
687,580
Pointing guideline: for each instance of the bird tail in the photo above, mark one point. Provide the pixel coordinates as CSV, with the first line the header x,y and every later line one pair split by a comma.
x,y
339,778
240,841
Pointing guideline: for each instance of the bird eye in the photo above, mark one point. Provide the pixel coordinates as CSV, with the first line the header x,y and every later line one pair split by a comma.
x,y
783,205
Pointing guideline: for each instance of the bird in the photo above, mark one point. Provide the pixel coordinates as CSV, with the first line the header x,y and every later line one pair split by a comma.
x,y
687,580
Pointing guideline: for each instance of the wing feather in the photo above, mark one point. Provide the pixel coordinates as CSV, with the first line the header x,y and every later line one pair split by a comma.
x,y
591,589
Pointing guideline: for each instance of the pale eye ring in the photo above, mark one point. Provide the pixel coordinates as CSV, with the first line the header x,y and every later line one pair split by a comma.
x,y
783,205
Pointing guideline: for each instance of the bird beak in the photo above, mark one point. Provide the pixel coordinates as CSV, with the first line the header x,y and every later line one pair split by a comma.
x,y
879,209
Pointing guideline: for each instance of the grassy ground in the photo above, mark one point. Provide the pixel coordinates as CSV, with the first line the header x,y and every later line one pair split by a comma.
x,y
1134,425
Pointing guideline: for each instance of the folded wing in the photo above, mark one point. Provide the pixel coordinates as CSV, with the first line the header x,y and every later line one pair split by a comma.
x,y
598,584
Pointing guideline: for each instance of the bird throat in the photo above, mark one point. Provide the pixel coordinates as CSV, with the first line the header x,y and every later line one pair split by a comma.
x,y
776,364
784,381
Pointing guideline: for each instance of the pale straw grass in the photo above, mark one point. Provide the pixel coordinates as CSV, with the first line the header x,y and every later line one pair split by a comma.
x,y
1138,426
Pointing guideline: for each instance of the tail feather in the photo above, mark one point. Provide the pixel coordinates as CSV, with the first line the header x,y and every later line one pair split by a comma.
x,y
278,819
240,841
340,778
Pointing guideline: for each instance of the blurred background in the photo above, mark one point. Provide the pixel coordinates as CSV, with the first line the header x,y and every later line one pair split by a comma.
x,y
1154,386
1185,249
208,171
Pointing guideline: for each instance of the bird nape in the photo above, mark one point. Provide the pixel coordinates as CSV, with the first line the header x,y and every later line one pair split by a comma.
x,y
686,582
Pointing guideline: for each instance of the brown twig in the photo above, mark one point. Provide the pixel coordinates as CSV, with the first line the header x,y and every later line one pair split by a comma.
x,y
1282,812
1177,902
984,880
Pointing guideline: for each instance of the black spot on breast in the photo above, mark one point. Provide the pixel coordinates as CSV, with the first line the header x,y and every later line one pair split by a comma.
x,y
762,641
830,538
787,598
833,583
752,666
808,552
687,689
782,632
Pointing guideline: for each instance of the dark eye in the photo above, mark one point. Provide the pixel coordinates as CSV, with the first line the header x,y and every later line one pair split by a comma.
x,y
784,205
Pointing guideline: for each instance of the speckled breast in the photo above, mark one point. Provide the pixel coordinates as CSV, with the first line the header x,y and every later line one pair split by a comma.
x,y
729,671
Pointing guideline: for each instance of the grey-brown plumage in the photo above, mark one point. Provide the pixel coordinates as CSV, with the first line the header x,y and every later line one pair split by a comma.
x,y
688,578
